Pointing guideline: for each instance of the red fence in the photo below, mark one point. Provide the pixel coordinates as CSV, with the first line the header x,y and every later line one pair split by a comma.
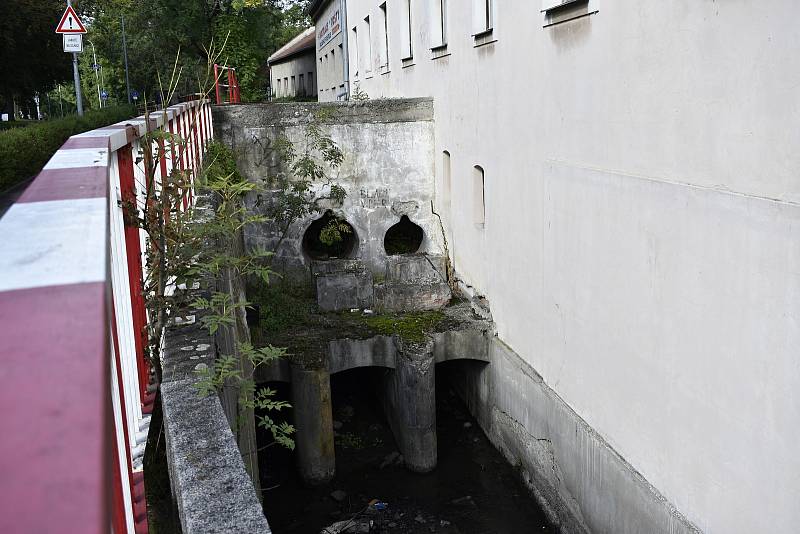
x,y
226,85
75,386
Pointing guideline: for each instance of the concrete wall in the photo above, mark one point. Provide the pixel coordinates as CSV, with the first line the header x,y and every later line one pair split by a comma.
x,y
640,245
387,170
330,57
294,76
211,488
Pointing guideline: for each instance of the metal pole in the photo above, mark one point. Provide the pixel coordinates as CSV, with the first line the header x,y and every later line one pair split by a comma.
x,y
77,78
125,52
96,67
60,101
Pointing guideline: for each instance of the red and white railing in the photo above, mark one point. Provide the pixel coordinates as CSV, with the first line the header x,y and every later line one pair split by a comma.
x,y
74,382
229,90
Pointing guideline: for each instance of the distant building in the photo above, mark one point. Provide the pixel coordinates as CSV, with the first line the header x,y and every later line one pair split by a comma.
x,y
330,19
293,68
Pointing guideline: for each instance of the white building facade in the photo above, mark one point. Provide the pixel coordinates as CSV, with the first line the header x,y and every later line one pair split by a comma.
x,y
330,19
293,68
621,181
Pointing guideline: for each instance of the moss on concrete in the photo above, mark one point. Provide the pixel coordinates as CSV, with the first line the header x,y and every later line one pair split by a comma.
x,y
289,317
408,326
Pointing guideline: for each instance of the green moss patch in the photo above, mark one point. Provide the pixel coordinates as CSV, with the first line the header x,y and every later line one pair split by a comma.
x,y
408,326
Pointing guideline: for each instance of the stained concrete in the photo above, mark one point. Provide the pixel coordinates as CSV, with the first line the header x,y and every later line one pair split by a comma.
x,y
387,171
581,481
408,396
311,400
212,490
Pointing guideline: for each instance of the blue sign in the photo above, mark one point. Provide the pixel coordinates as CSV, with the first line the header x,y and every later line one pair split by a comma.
x,y
135,94
104,95
95,66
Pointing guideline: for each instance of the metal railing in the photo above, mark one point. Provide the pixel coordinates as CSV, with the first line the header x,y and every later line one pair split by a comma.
x,y
230,89
74,382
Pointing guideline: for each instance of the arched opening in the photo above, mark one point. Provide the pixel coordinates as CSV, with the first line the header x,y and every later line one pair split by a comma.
x,y
329,237
405,237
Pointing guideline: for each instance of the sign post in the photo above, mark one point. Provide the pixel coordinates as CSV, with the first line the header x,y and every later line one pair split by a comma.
x,y
73,29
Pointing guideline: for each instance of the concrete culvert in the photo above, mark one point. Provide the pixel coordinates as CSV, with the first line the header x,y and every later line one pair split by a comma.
x,y
329,237
405,237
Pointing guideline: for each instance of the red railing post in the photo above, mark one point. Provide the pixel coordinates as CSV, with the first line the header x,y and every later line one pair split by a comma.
x,y
216,83
133,251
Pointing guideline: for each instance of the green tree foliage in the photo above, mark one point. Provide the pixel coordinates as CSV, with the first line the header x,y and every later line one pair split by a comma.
x,y
31,54
157,29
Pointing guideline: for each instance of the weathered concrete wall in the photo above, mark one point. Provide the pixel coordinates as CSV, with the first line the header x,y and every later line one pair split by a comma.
x,y
408,395
387,171
212,490
582,482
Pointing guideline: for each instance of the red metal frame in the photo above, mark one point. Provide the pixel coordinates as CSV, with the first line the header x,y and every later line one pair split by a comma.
x,y
234,95
133,250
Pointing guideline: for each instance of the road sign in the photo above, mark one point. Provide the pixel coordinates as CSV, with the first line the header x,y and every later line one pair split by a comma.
x,y
135,94
73,42
104,95
70,23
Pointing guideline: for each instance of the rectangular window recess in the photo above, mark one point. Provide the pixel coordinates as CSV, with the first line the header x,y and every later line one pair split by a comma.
x,y
483,33
439,48
384,69
439,52
567,10
549,5
484,39
408,62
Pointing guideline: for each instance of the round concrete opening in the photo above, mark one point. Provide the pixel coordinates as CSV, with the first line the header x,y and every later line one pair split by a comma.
x,y
329,237
405,237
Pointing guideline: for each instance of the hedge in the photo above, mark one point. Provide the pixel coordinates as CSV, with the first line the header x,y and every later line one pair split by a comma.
x,y
24,151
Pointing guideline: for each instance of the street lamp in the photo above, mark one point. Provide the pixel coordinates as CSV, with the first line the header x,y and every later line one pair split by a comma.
x,y
96,67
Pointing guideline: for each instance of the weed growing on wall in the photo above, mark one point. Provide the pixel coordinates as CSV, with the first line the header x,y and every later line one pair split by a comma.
x,y
183,247
223,258
309,180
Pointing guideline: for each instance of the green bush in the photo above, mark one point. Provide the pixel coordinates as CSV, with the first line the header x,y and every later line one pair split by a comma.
x,y
24,151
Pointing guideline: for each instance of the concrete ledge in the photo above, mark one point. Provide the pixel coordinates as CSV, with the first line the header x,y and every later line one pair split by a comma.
x,y
294,113
212,490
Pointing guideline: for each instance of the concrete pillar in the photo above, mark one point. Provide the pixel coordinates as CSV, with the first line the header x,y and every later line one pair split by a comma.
x,y
313,419
409,399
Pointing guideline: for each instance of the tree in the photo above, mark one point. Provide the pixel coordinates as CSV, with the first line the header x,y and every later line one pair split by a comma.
x,y
31,53
157,29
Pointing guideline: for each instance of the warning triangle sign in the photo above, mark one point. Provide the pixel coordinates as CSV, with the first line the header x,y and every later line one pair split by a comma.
x,y
70,23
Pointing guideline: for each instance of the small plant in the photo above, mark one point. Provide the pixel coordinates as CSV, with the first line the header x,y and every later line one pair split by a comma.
x,y
226,370
358,95
306,183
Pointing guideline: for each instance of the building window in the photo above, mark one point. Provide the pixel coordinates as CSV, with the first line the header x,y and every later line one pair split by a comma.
x,y
447,185
483,18
439,24
558,11
408,34
478,196
355,51
385,44
368,67
301,85
311,84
